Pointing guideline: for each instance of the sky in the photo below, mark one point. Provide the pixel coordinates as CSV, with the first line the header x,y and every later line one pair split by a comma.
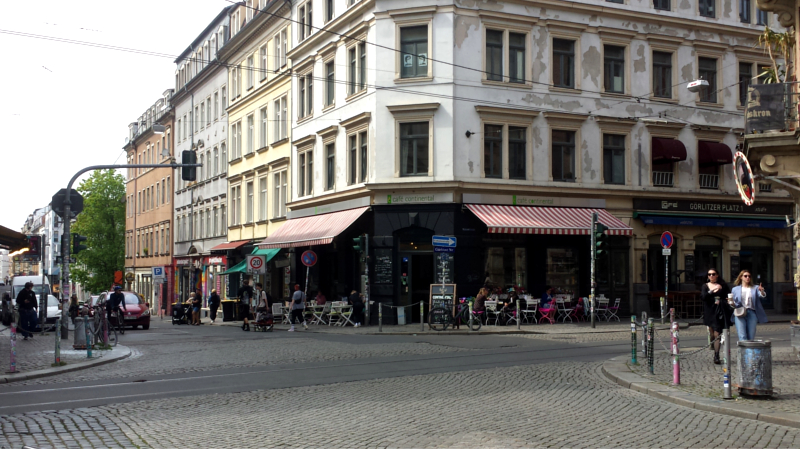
x,y
68,106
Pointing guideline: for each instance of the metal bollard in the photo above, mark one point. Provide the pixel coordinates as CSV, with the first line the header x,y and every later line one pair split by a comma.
x,y
469,325
633,340
422,315
726,368
518,319
662,309
651,328
676,364
671,315
58,342
88,337
104,324
13,368
380,317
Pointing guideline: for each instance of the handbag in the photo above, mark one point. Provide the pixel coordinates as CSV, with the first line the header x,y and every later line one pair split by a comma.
x,y
740,311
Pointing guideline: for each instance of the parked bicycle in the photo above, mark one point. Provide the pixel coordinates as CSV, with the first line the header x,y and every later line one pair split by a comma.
x,y
101,323
439,318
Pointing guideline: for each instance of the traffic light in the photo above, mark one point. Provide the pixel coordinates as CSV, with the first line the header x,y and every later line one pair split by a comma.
x,y
600,239
76,243
188,173
359,244
34,246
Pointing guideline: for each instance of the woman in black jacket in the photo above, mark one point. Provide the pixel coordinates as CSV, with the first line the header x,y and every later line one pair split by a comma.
x,y
213,305
357,315
716,312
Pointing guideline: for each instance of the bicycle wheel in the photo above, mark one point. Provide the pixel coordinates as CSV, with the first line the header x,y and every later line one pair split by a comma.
x,y
476,323
112,336
439,319
120,323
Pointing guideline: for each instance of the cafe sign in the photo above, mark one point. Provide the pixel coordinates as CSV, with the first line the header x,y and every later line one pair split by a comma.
x,y
414,198
710,207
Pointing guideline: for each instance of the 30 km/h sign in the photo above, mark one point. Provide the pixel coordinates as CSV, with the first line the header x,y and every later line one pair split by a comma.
x,y
256,263
309,258
666,239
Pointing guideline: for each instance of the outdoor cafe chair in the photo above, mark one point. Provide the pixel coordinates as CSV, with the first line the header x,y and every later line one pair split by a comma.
x,y
532,306
277,313
611,312
548,313
335,313
601,308
346,311
492,313
317,312
564,311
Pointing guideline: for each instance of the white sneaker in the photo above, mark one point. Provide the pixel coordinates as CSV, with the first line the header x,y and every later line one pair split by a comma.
x,y
291,329
305,326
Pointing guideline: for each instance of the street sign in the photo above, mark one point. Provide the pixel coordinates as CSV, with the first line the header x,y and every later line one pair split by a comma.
x,y
666,239
129,277
309,258
666,251
75,202
444,241
444,249
158,274
256,263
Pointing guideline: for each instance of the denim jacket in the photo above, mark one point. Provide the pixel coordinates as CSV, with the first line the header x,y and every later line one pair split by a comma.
x,y
756,296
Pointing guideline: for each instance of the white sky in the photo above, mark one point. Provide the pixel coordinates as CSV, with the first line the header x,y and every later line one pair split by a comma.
x,y
68,106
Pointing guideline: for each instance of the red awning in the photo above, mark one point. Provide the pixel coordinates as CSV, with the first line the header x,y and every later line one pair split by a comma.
x,y
312,230
713,154
542,220
229,245
668,150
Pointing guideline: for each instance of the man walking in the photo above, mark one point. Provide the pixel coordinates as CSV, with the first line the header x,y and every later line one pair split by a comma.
x,y
245,294
213,305
298,307
27,304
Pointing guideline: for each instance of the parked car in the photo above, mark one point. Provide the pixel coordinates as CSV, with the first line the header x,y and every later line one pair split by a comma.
x,y
137,311
53,311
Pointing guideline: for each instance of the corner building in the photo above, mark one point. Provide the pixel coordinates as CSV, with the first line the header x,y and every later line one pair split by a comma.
x,y
507,128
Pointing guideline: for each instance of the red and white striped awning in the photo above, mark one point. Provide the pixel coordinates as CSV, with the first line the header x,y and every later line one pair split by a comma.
x,y
312,230
544,220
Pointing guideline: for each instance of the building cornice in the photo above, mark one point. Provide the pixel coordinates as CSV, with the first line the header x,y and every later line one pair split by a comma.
x,y
316,39
785,10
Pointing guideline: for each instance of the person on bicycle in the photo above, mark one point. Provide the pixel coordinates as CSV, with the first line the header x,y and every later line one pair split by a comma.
x,y
114,301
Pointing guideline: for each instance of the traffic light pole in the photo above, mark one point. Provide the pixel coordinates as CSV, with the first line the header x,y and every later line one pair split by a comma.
x,y
65,287
594,258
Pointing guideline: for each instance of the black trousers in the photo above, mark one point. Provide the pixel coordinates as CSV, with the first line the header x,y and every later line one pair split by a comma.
x,y
214,312
297,314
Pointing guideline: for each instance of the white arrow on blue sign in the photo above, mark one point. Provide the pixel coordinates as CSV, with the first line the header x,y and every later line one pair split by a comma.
x,y
444,241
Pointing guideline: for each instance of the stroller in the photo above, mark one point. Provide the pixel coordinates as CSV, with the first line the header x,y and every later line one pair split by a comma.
x,y
181,314
263,321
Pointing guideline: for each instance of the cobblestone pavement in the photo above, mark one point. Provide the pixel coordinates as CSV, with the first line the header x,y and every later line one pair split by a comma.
x,y
547,405
39,352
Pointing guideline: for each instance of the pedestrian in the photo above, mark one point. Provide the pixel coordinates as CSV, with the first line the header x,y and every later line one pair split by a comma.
x,y
747,296
298,306
357,315
264,299
27,305
213,305
716,312
73,307
197,304
245,294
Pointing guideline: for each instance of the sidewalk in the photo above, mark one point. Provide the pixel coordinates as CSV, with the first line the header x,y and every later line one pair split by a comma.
x,y
701,381
35,357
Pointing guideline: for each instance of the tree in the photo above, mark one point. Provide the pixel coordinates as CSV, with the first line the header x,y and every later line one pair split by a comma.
x,y
778,46
103,223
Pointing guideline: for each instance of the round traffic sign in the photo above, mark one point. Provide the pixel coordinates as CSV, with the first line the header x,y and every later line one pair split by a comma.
x,y
256,262
666,239
309,258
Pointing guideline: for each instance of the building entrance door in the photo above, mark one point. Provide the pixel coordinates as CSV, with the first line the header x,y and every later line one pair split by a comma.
x,y
756,256
417,269
708,255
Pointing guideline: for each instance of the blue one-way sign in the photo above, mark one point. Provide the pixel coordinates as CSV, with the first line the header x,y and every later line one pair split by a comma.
x,y
444,241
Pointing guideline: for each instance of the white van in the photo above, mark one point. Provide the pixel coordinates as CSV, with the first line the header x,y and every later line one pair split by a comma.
x,y
17,285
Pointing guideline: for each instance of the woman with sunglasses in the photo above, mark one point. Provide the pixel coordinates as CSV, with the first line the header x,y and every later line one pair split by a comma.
x,y
716,312
747,295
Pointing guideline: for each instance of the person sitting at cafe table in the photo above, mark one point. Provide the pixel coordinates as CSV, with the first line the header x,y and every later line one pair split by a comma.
x,y
547,297
510,304
320,298
480,300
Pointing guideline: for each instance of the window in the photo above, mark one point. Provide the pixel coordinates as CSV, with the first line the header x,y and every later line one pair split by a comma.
x,y
179,126
762,17
223,217
363,156
613,159
263,58
168,190
708,72
330,83
235,82
414,142
564,63
414,48
223,157
250,72
352,157
236,198
250,203
662,74
351,58
251,131
262,135
614,69
362,58
224,101
305,14
239,82
516,57
238,148
216,105
305,172
494,55
745,78
517,146
202,168
330,166
208,111
662,5
305,102
357,65
185,127
234,140
202,115
216,161
563,155
744,11
357,146
163,191
208,224
280,119
279,49
328,10
616,1
493,151
706,7
279,189
214,229
262,199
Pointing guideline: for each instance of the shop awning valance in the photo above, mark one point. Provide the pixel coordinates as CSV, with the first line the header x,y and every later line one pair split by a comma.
x,y
713,154
229,245
313,230
668,150
241,267
542,220
14,240
705,221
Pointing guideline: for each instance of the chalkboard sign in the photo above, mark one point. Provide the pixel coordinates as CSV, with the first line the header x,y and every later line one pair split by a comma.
x,y
444,267
444,296
232,285
383,266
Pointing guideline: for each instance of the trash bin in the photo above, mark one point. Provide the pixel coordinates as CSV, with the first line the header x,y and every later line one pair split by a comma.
x,y
755,367
230,310
79,343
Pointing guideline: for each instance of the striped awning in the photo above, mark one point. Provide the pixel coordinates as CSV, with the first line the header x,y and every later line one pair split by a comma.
x,y
312,230
544,220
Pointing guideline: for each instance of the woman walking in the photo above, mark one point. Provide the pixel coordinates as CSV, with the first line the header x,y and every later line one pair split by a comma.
x,y
357,314
716,312
213,305
197,304
747,296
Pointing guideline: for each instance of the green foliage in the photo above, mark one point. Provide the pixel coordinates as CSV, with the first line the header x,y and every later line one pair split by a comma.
x,y
780,49
103,223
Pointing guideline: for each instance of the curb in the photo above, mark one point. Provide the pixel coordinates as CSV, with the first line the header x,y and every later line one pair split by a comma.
x,y
119,352
616,370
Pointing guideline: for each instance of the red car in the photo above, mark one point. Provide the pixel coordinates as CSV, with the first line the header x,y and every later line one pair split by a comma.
x,y
136,311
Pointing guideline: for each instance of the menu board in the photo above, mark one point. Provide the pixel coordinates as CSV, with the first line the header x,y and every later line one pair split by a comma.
x,y
444,296
383,266
444,267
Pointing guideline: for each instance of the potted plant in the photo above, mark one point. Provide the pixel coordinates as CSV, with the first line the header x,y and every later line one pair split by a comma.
x,y
146,251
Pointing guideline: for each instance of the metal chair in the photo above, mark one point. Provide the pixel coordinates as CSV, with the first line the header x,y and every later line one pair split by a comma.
x,y
611,312
601,308
492,313
530,310
564,312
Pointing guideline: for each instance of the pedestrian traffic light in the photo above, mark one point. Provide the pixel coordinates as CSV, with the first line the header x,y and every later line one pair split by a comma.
x,y
359,244
188,173
76,243
34,247
600,239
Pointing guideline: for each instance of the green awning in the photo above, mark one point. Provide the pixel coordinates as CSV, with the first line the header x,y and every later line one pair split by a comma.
x,y
239,268
269,253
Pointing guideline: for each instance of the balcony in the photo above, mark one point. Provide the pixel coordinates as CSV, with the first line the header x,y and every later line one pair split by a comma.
x,y
709,181
662,179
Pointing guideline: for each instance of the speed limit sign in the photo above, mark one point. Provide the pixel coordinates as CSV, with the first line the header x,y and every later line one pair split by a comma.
x,y
256,263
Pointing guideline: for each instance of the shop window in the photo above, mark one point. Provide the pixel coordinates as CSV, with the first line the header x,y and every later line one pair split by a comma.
x,y
506,267
562,269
